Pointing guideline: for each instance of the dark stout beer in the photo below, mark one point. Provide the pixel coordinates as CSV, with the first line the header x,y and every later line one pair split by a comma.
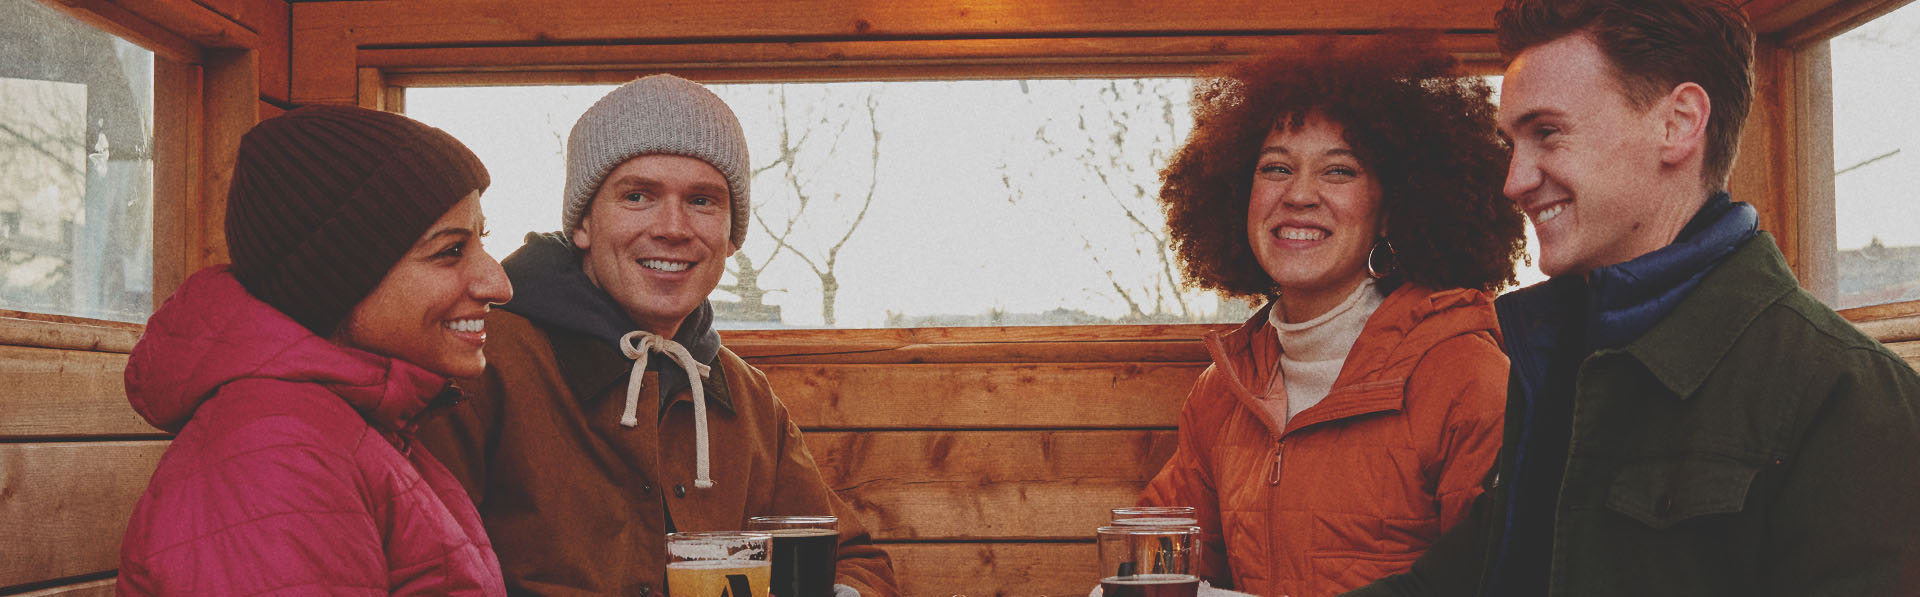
x,y
803,562
1151,585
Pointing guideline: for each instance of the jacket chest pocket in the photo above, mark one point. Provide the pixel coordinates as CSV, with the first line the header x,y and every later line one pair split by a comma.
x,y
1663,493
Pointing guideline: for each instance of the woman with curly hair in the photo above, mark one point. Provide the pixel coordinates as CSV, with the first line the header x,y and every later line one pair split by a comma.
x,y
1352,419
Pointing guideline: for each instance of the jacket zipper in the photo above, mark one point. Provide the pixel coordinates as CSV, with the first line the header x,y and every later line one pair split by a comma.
x,y
1273,475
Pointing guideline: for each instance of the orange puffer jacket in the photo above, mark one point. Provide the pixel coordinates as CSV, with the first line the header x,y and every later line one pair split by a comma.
x,y
1356,486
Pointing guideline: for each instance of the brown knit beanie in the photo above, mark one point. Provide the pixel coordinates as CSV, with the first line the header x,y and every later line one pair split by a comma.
x,y
325,199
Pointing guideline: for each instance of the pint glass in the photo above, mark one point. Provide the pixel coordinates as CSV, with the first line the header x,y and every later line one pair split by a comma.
x,y
1146,560
805,550
718,564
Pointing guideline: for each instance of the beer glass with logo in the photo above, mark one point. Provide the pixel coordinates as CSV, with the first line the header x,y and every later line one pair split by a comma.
x,y
805,550
1148,560
718,564
1184,516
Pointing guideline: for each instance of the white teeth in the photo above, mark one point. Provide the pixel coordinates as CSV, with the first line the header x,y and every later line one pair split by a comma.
x,y
1302,234
665,266
1549,213
471,326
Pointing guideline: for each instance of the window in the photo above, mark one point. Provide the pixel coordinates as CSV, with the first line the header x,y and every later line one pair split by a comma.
x,y
902,204
76,167
1874,157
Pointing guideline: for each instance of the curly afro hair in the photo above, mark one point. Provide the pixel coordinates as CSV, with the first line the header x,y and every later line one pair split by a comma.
x,y
1426,132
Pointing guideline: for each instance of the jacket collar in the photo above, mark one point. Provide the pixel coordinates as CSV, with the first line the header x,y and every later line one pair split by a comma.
x,y
212,332
1700,330
1409,322
591,369
1630,298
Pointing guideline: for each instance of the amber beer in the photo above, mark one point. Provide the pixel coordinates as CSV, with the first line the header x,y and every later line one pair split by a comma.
x,y
1151,585
803,562
718,564
718,578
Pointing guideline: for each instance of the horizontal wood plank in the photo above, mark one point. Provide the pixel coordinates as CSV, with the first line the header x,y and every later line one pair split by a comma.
x,y
1892,329
1039,344
65,505
58,331
65,393
988,484
1893,322
781,339
1191,351
1011,53
996,569
1059,396
326,35
444,22
92,588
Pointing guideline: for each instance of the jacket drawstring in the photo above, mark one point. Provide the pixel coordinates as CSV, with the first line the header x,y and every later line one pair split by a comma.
x,y
637,345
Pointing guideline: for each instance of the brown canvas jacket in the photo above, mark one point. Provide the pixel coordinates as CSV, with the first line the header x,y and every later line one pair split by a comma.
x,y
577,504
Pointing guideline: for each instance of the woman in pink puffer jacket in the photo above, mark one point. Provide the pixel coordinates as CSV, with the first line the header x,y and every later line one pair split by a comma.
x,y
294,377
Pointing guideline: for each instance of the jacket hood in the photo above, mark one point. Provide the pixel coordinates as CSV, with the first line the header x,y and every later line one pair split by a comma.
x,y
550,289
211,332
1411,321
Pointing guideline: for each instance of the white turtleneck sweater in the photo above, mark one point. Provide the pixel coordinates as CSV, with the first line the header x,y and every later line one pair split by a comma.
x,y
1312,351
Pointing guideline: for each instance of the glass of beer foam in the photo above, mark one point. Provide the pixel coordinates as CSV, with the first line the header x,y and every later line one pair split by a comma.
x,y
1182,516
719,564
1148,560
805,549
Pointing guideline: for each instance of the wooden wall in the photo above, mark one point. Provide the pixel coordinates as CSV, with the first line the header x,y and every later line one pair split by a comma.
x,y
73,455
983,459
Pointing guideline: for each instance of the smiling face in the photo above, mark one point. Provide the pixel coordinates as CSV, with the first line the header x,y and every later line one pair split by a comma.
x,y
656,237
430,309
1312,216
1587,165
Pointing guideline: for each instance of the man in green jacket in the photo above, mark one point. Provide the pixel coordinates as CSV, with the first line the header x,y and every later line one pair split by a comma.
x,y
609,414
1682,419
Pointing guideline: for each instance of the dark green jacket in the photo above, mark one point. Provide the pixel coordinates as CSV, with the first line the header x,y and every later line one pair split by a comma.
x,y
1753,442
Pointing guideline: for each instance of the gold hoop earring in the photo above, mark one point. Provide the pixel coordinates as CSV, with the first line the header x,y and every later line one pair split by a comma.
x,y
1380,272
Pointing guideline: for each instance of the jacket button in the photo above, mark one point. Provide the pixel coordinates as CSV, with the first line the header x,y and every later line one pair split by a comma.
x,y
646,489
645,590
1665,507
680,491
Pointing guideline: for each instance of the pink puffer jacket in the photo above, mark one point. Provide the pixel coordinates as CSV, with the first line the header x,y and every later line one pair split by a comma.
x,y
293,471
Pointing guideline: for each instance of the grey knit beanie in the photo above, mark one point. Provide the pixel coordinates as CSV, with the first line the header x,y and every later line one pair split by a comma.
x,y
656,114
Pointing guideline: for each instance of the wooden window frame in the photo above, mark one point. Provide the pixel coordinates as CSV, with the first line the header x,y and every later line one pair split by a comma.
x,y
1794,118
206,94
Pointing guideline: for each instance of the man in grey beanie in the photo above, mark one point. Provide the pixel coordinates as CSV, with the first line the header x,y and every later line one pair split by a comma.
x,y
609,414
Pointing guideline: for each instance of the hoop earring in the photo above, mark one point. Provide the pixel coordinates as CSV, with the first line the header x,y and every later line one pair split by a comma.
x,y
1380,272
